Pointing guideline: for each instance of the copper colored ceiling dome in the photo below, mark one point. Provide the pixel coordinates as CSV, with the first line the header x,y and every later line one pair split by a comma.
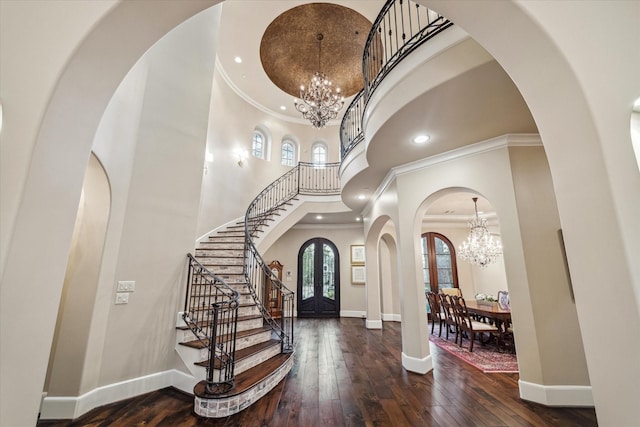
x,y
289,47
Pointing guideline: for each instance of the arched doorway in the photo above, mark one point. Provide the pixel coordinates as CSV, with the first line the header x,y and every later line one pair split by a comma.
x,y
318,279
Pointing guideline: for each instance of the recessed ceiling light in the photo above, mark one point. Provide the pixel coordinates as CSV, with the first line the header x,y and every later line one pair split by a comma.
x,y
361,197
318,216
358,219
282,107
421,139
237,59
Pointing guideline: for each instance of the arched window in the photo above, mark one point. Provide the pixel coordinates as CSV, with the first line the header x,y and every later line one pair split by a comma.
x,y
258,145
319,153
288,154
438,262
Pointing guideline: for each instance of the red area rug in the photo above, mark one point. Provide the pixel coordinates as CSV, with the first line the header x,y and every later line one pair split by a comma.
x,y
487,359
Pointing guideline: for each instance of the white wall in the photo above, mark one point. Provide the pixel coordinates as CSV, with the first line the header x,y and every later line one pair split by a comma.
x,y
285,250
49,126
73,328
227,188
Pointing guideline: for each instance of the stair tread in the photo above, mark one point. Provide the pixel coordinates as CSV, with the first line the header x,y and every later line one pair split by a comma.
x,y
246,352
249,378
240,319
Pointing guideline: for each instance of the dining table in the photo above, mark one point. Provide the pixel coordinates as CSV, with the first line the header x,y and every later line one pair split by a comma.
x,y
501,316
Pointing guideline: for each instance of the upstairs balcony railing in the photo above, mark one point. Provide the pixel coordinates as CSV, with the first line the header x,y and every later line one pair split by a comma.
x,y
264,285
400,28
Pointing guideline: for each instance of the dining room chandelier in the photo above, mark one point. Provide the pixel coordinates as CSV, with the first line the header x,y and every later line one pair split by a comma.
x,y
319,102
480,248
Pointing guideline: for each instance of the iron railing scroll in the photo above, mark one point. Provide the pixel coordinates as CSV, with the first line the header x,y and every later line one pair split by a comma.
x,y
211,313
305,179
401,27
351,126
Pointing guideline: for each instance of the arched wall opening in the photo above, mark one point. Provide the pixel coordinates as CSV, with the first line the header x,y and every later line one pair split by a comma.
x,y
448,212
635,129
374,274
68,351
552,91
576,115
389,291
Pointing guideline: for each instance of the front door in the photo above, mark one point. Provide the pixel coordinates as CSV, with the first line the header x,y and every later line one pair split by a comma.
x,y
318,279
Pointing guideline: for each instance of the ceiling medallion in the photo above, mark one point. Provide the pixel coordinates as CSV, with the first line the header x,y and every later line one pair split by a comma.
x,y
289,50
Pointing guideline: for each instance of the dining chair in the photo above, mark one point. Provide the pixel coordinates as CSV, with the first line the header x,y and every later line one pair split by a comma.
x,y
503,300
451,291
470,326
449,315
436,311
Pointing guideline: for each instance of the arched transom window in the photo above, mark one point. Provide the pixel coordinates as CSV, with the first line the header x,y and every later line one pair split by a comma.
x,y
438,262
319,153
287,154
258,145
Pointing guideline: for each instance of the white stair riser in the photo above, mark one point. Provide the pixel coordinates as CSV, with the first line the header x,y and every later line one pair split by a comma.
x,y
222,239
216,259
221,270
220,252
234,280
254,339
248,311
245,325
253,360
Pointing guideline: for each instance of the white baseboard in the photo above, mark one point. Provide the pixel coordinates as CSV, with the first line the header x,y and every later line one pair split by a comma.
x,y
353,313
373,324
557,395
73,407
389,317
419,366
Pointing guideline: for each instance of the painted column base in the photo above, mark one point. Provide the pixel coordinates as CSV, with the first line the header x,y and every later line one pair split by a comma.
x,y
374,324
557,395
419,366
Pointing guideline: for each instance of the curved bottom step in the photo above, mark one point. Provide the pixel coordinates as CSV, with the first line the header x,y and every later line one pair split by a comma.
x,y
249,387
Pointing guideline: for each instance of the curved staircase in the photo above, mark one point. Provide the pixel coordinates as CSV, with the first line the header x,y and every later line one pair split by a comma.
x,y
228,335
259,363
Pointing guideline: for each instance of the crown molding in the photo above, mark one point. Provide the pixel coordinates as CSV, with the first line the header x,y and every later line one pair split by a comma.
x,y
252,102
497,143
324,226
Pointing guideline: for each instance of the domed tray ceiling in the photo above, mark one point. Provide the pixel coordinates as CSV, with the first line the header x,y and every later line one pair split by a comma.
x,y
289,47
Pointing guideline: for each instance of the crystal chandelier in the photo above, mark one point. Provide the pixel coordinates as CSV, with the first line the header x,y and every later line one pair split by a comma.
x,y
319,103
479,248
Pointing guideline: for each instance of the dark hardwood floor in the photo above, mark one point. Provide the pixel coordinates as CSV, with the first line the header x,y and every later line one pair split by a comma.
x,y
345,375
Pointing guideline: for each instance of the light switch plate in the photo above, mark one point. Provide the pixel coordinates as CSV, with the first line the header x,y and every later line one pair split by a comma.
x,y
126,286
122,298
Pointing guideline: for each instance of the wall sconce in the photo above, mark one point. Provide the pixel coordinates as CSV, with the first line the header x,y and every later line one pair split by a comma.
x,y
208,158
241,156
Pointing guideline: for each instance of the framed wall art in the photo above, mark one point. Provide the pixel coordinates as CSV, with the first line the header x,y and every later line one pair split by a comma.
x,y
358,274
357,254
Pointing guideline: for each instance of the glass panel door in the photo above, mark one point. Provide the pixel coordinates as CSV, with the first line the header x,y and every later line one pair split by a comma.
x,y
318,279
